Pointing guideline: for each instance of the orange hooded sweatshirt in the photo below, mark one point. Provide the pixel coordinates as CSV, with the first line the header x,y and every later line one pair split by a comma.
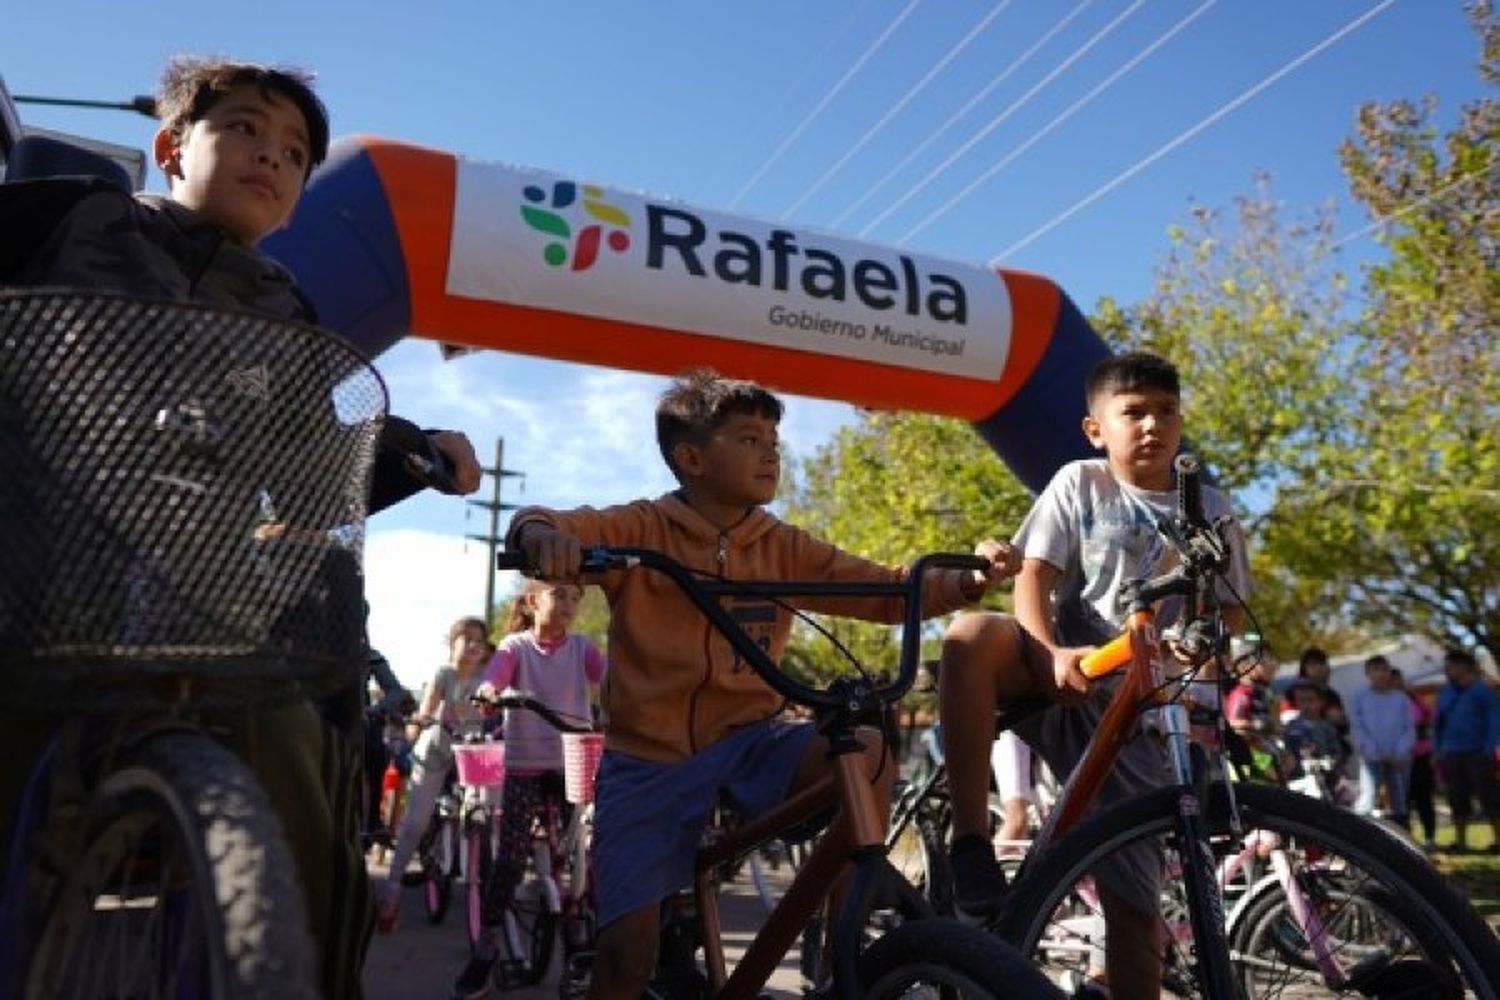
x,y
674,684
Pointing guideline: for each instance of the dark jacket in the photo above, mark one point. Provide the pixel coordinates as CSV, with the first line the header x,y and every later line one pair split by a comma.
x,y
87,233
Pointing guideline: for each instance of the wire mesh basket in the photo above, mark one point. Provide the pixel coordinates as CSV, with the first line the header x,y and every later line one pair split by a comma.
x,y
182,502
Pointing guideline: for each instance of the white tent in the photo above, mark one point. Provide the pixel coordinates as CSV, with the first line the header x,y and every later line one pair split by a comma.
x,y
1419,659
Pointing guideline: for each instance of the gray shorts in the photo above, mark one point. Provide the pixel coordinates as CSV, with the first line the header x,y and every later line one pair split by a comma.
x,y
649,816
1059,735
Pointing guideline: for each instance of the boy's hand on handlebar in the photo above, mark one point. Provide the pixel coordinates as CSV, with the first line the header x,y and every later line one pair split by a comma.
x,y
550,554
1005,561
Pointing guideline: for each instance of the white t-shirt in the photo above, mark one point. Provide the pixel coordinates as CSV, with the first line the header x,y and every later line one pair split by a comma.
x,y
1101,532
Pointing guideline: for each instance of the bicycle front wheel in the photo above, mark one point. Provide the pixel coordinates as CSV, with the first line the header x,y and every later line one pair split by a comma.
x,y
940,957
1374,916
184,887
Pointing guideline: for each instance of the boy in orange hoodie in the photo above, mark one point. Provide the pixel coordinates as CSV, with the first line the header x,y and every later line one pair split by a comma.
x,y
685,720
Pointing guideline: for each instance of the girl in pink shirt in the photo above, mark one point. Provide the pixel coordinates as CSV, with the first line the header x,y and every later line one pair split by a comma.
x,y
540,657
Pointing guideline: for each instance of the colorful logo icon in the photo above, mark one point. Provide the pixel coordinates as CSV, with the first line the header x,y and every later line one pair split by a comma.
x,y
549,219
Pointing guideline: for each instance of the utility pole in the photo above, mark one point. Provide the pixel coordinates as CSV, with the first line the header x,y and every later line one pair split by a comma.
x,y
498,473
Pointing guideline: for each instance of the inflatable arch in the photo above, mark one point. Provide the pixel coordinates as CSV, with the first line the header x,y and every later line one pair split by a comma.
x,y
392,239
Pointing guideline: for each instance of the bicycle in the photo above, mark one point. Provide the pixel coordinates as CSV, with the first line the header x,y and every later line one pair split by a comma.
x,y
556,897
1349,909
929,953
168,557
440,850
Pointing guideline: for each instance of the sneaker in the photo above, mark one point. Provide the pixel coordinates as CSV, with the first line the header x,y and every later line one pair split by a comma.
x,y
387,907
474,982
978,880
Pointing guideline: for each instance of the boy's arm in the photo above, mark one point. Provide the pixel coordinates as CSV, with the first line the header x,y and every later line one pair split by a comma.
x,y
1034,586
552,541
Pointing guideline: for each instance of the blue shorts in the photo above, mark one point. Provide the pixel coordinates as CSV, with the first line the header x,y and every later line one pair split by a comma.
x,y
649,816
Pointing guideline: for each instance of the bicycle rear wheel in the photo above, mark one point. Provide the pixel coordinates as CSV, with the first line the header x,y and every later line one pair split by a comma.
x,y
1388,919
184,886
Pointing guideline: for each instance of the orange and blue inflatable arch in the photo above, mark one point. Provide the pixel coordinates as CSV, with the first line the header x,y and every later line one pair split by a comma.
x,y
392,239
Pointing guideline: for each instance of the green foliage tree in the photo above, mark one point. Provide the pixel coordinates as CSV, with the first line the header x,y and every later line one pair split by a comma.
x,y
1249,307
890,488
1403,515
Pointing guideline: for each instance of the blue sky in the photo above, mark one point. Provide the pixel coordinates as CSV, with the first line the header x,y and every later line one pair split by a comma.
x,y
782,109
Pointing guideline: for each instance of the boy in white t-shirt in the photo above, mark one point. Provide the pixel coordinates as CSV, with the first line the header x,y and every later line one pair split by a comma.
x,y
1092,529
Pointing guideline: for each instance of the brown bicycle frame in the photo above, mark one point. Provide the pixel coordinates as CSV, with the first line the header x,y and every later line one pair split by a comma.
x,y
858,828
1139,649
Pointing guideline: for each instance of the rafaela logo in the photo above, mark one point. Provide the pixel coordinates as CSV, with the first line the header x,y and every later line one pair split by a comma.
x,y
585,240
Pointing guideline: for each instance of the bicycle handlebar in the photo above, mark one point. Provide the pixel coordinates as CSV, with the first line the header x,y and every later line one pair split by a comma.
x,y
704,592
549,716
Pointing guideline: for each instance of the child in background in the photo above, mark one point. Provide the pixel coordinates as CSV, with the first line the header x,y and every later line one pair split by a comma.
x,y
1380,718
1420,783
1308,731
540,657
446,703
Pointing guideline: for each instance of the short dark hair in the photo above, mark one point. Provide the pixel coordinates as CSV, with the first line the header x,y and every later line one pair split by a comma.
x,y
1291,692
1311,654
192,85
1460,656
1130,372
699,402
1377,661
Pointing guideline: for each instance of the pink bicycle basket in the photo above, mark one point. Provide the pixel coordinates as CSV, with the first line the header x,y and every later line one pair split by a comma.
x,y
581,753
480,764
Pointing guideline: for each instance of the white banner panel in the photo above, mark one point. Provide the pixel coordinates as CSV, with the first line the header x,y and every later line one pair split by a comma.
x,y
536,239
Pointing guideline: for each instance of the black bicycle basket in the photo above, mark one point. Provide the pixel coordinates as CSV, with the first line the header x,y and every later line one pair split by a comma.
x,y
182,502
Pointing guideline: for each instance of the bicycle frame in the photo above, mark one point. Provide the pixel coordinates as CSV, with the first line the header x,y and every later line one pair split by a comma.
x,y
857,837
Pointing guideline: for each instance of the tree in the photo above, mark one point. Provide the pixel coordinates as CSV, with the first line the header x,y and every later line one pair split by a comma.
x,y
1249,307
1405,513
891,488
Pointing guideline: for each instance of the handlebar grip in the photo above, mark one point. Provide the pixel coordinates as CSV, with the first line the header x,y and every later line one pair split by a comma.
x,y
1189,488
1110,656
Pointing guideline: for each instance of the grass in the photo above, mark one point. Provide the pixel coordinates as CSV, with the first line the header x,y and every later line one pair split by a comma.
x,y
1475,874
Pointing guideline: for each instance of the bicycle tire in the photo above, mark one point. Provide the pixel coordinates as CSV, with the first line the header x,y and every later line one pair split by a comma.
x,y
438,863
1265,922
182,858
957,960
478,862
528,935
1451,938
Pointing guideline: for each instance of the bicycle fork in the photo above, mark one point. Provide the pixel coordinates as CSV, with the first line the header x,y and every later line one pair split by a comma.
x,y
1200,874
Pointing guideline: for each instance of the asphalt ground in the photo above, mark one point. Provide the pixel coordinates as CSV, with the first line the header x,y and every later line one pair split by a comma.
x,y
419,960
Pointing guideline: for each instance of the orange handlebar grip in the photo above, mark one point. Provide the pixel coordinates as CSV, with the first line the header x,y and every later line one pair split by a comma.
x,y
1110,656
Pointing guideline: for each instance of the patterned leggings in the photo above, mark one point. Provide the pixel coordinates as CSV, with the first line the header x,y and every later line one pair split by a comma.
x,y
526,798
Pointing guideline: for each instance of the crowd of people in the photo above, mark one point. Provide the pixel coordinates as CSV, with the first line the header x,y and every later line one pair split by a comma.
x,y
685,721
1391,748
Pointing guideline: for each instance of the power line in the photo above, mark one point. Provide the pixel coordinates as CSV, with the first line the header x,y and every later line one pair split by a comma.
x,y
984,92
1014,154
810,66
1381,220
1015,106
828,97
1185,136
906,99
